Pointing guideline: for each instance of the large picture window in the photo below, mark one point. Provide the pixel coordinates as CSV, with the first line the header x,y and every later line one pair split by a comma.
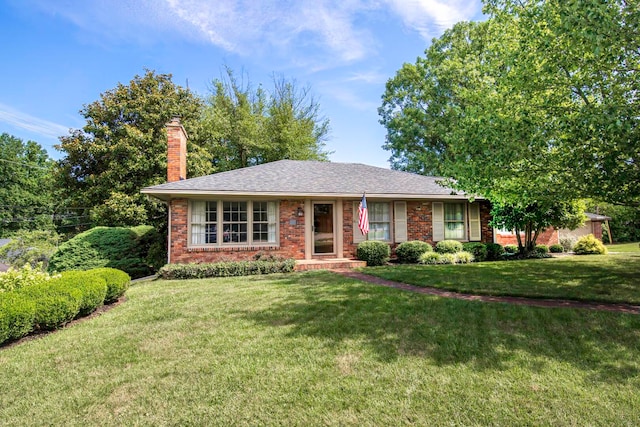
x,y
222,223
454,221
379,221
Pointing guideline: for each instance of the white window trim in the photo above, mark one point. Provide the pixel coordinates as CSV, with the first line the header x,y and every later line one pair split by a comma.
x,y
219,221
465,220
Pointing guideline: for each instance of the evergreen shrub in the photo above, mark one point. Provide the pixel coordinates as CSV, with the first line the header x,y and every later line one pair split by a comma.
x,y
479,250
556,249
130,249
511,249
494,251
117,282
17,314
374,252
448,247
409,252
589,245
225,269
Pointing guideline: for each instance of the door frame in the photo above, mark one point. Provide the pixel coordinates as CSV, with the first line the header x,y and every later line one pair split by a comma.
x,y
334,221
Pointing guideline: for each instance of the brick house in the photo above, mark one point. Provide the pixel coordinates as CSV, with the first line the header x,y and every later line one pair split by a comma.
x,y
305,210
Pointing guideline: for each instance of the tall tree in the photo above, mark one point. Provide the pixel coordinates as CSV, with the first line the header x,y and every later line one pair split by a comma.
x,y
538,103
245,126
26,199
123,148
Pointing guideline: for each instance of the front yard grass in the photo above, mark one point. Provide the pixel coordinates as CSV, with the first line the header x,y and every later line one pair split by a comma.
x,y
320,349
602,278
624,247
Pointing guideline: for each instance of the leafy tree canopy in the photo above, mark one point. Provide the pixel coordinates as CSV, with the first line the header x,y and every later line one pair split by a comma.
x,y
537,104
245,126
26,202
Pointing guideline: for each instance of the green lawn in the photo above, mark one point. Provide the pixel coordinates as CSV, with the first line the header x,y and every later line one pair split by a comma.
x,y
320,349
608,278
624,247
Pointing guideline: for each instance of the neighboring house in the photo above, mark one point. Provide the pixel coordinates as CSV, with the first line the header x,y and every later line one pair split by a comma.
x,y
4,267
552,236
305,209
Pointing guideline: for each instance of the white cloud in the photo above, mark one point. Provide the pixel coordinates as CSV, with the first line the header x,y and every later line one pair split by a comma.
x,y
431,17
27,122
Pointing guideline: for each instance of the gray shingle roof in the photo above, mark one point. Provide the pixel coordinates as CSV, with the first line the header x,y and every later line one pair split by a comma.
x,y
296,177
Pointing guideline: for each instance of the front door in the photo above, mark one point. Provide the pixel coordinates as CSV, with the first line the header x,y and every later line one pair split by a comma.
x,y
323,236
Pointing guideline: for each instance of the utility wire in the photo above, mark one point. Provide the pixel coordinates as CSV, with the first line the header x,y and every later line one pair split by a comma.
x,y
31,165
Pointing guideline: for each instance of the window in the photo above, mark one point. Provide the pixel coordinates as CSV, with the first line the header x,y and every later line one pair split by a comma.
x,y
203,223
454,221
240,222
379,221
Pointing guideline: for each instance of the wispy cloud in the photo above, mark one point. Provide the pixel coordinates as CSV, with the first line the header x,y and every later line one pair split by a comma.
x,y
25,121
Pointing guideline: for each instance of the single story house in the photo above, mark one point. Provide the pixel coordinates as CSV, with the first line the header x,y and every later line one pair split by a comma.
x,y
306,210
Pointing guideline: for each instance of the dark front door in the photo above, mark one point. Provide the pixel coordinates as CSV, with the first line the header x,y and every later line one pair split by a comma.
x,y
323,238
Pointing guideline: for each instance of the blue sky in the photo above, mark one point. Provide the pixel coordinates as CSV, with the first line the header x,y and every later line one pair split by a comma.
x,y
62,54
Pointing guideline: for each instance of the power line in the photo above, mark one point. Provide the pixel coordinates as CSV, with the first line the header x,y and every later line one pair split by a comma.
x,y
31,165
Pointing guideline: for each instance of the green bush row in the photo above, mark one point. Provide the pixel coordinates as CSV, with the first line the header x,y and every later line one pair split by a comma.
x,y
461,257
374,252
410,252
50,305
225,269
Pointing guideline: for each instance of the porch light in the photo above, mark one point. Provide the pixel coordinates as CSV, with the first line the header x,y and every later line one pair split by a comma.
x,y
300,212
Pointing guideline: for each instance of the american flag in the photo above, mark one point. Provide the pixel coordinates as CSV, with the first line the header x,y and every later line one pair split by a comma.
x,y
363,216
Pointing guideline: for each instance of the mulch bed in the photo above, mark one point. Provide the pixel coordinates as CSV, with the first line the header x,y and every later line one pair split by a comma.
x,y
534,302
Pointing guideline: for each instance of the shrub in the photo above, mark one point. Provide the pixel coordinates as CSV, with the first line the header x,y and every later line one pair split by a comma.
x,y
26,276
117,282
92,286
374,252
494,251
511,249
568,243
30,247
17,314
589,245
541,250
479,250
463,257
448,246
56,303
447,258
429,258
132,250
226,269
409,252
556,249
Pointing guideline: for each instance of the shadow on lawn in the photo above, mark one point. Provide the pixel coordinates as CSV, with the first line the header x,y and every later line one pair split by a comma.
x,y
394,323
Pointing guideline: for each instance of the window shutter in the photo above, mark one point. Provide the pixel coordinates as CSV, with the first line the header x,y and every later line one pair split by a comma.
x,y
400,221
357,234
475,230
438,221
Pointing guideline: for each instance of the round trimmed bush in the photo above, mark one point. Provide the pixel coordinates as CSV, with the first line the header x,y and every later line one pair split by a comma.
x,y
56,303
117,282
556,249
463,257
589,245
17,314
93,287
373,252
132,250
448,258
479,250
541,250
430,258
448,246
409,252
511,249
494,251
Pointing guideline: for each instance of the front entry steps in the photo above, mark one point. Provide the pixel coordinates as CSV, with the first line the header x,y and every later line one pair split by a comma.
x,y
328,264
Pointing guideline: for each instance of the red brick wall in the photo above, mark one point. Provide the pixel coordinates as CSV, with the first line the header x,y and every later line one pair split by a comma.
x,y
291,237
348,247
547,237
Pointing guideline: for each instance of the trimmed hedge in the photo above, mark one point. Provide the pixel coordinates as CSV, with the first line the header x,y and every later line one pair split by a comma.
x,y
49,305
225,269
374,252
17,314
433,258
541,250
409,252
117,282
133,250
494,251
448,247
479,250
556,249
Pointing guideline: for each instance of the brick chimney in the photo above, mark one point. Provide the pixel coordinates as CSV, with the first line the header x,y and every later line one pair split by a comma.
x,y
176,150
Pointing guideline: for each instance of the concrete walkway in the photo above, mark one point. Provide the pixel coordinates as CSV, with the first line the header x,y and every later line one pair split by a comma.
x,y
534,302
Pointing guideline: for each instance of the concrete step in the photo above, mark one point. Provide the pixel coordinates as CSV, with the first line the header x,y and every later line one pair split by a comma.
x,y
328,264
